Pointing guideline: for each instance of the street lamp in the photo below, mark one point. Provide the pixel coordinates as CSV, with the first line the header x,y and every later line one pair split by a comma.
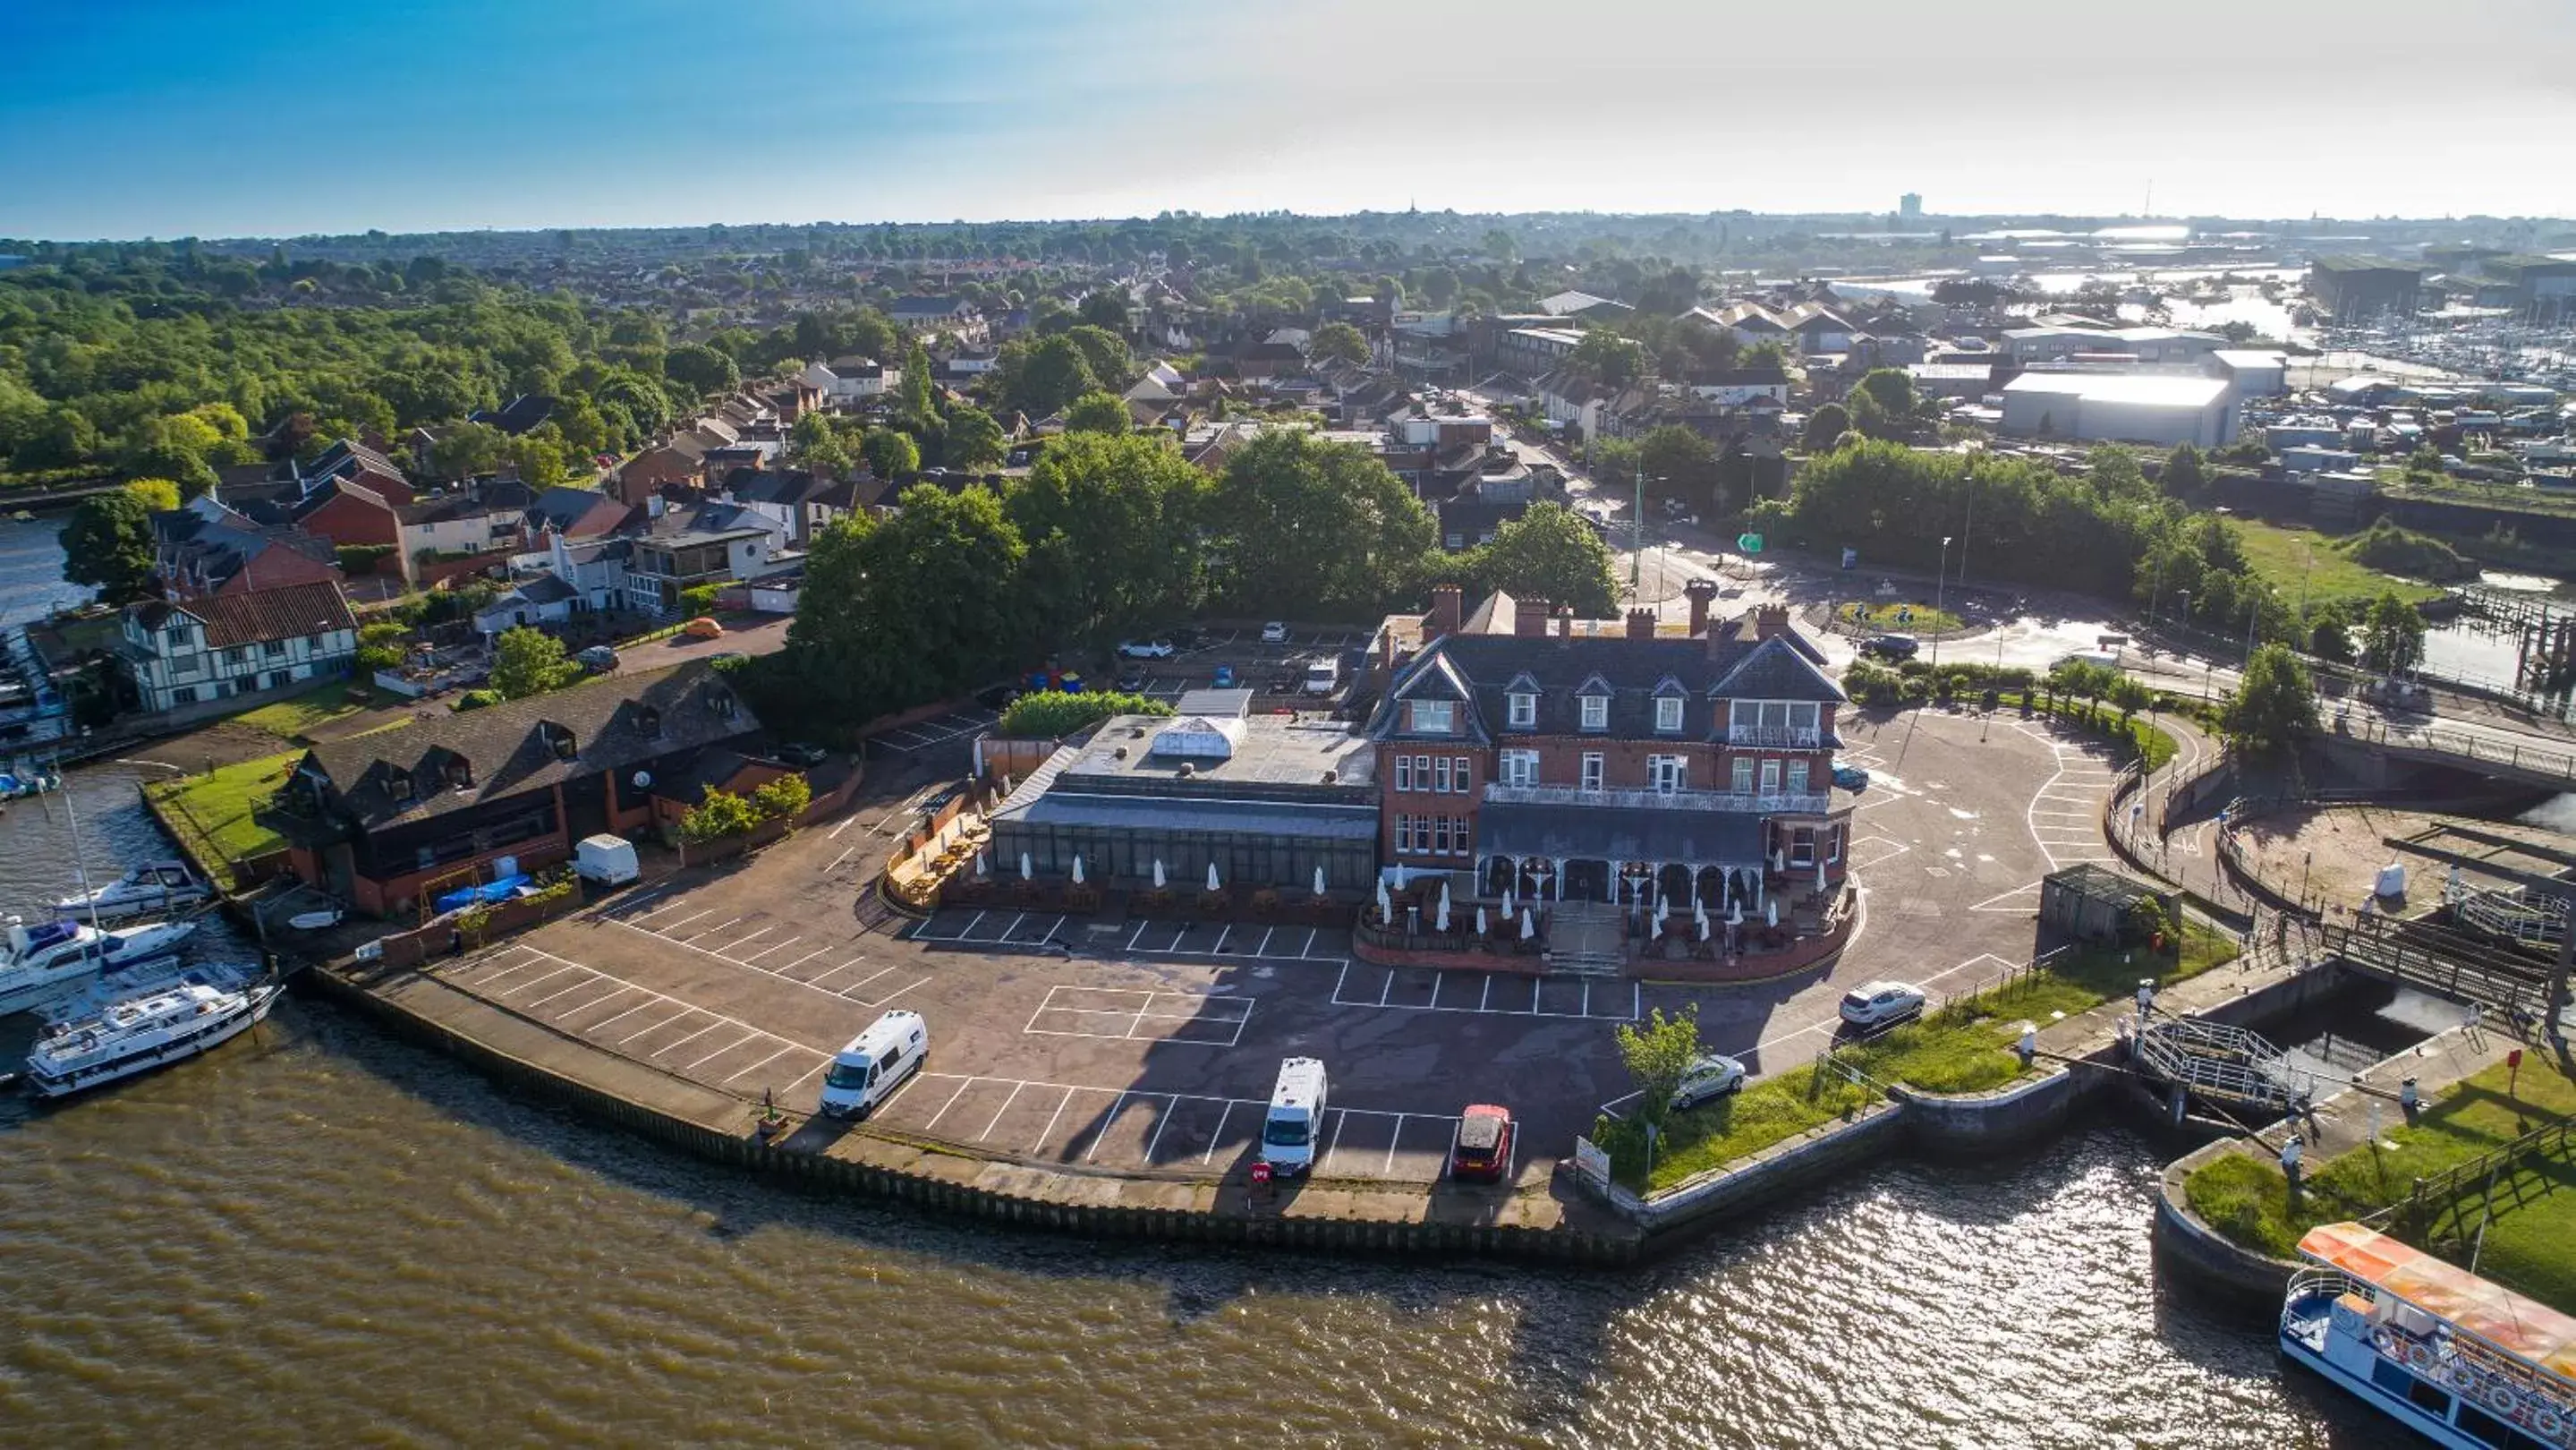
x,y
1940,577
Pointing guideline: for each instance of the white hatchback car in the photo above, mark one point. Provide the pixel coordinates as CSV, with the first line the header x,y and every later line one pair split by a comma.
x,y
1274,633
1712,1076
1876,1004
1145,649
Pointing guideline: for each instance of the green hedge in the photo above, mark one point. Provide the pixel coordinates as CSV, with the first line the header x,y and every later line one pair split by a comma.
x,y
1053,715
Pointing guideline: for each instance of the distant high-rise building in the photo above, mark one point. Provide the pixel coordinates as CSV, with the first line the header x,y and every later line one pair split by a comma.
x,y
1910,206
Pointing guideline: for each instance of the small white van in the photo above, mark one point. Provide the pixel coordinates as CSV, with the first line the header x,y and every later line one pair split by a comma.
x,y
876,1062
1323,675
1296,1117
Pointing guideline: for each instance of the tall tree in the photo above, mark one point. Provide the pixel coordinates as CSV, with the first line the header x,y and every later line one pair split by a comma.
x,y
890,455
1097,412
1607,358
1112,525
701,369
528,661
1314,528
974,439
1825,427
1039,378
2274,708
1548,553
108,545
2392,636
1339,342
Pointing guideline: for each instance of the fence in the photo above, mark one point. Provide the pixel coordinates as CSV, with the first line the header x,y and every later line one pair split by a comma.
x,y
2434,1206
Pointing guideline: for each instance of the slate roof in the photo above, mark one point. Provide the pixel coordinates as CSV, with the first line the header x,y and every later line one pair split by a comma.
x,y
213,550
291,612
347,456
578,512
1482,667
519,415
614,723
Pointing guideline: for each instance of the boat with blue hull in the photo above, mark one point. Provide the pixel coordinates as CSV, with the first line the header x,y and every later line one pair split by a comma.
x,y
2462,1361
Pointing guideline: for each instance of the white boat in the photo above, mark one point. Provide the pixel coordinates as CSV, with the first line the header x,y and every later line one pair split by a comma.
x,y
154,886
2460,1360
140,1031
90,1000
43,961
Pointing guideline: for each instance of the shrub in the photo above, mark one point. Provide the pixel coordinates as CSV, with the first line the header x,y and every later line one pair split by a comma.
x,y
698,599
1051,715
1914,690
783,799
357,559
477,699
720,815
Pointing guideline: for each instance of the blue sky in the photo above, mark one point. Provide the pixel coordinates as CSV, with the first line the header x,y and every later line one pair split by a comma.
x,y
278,117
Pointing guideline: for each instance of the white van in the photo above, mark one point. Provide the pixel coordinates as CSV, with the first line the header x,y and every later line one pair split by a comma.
x,y
1323,675
876,1062
1296,1116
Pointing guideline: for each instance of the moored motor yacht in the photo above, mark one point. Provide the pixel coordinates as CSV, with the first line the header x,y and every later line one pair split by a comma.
x,y
154,886
140,1031
43,961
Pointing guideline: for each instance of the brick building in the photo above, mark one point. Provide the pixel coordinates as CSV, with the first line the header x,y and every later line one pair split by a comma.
x,y
1521,753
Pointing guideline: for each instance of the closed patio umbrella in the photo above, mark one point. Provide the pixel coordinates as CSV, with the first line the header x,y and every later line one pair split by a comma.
x,y
1158,873
1529,928
1480,920
1703,926
1444,896
1400,877
1077,870
1385,906
1779,860
1212,882
1771,910
981,869
1441,922
1735,913
1507,901
1319,881
1025,873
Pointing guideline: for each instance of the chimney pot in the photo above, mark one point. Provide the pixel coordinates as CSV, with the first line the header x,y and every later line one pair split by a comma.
x,y
1641,624
1703,594
1565,621
1770,621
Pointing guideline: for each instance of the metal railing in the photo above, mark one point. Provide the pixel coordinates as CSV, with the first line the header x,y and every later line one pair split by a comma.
x,y
1777,737
2434,1206
1776,802
2219,1061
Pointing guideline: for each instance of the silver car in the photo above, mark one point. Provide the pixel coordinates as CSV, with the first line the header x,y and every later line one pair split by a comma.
x,y
1712,1076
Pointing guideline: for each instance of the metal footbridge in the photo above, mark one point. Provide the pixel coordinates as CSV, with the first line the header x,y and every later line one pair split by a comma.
x,y
2227,1066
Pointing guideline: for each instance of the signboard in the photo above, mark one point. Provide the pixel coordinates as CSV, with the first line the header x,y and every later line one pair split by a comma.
x,y
1749,543
1593,1162
1851,558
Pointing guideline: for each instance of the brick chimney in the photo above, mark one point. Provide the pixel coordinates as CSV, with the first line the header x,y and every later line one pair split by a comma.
x,y
1703,594
1529,616
1641,624
1771,621
1565,621
1444,612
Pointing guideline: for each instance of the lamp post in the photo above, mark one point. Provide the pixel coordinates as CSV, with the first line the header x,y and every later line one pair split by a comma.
x,y
1940,577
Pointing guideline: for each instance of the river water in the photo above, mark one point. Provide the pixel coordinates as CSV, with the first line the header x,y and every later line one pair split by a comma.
x,y
324,1237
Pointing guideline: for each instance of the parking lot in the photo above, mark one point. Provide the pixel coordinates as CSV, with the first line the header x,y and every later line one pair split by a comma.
x,y
1150,1043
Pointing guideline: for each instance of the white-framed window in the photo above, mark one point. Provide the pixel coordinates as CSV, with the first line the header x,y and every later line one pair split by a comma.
x,y
1771,777
1797,777
1668,714
1466,774
1667,773
1596,712
1520,767
1403,834
1802,715
1440,772
1440,834
1802,846
1524,707
184,695
1743,775
273,648
1592,763
1834,845
1422,772
1458,842
1404,773
1433,717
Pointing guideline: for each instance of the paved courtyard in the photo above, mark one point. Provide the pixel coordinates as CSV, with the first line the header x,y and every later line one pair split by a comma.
x,y
1133,1044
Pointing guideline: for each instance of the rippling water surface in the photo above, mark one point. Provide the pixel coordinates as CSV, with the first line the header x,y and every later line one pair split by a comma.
x,y
322,1237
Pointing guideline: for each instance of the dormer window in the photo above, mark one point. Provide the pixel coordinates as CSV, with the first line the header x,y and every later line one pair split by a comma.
x,y
1668,714
1524,710
1434,717
1596,712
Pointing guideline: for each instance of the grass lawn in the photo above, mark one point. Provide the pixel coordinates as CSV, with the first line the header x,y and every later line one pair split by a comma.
x,y
1883,616
1741,1123
2282,555
217,809
2531,1248
289,718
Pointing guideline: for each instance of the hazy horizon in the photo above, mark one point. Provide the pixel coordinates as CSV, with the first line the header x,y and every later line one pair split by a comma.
x,y
276,118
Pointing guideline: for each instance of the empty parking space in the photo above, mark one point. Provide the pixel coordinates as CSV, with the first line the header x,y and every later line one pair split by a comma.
x,y
1132,1014
1134,1128
612,1012
922,735
814,958
999,926
1003,926
1427,989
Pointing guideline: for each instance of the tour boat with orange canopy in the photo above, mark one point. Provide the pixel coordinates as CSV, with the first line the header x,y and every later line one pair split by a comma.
x,y
2461,1360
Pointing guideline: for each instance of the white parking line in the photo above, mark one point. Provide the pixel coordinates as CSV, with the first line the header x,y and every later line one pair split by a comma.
x,y
708,931
1100,1134
752,936
962,1085
776,946
1049,1130
764,1062
548,977
694,1036
721,1051
1219,1135
684,1011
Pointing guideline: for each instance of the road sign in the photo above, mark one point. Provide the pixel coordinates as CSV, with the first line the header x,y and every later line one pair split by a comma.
x,y
1592,1162
1749,543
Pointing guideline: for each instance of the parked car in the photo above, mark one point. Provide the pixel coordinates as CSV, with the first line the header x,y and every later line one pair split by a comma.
x,y
1225,677
596,659
1145,649
702,628
1712,1076
798,752
1274,633
1484,1147
1876,1004
1133,678
1851,777
1894,646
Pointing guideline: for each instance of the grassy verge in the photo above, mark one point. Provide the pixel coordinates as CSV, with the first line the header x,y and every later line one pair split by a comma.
x,y
290,718
2530,1247
1883,616
2301,562
2136,738
218,811
1965,1047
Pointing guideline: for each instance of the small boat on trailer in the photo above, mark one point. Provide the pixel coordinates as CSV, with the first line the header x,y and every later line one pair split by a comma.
x,y
2462,1361
153,887
138,1032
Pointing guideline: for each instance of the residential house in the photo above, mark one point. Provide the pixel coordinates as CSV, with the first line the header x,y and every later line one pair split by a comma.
x,y
1738,387
349,515
540,599
1621,765
856,379
678,463
205,548
522,414
938,314
400,815
226,645
577,513
349,461
1258,361
717,544
461,527
797,501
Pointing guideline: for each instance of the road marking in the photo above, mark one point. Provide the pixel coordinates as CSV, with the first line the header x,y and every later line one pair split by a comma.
x,y
764,1062
709,931
1107,1121
752,936
1219,1135
721,1051
548,977
1170,1111
694,1036
962,1085
656,1027
1392,1141
777,946
1049,1130
997,1112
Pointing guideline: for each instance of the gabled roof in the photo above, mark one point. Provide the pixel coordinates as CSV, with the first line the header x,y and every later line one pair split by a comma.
x,y
578,513
348,456
259,616
1775,670
520,414
613,723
